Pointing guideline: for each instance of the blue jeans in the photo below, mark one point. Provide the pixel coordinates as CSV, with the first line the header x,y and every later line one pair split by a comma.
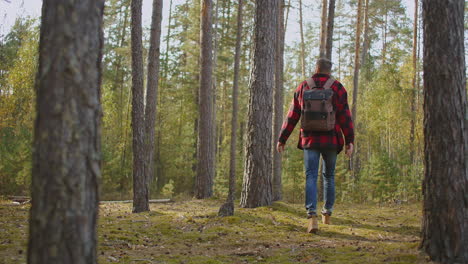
x,y
311,164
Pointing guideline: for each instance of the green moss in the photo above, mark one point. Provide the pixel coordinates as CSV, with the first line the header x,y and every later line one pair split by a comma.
x,y
191,232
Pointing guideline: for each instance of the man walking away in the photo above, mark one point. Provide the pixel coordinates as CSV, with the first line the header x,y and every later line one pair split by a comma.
x,y
322,105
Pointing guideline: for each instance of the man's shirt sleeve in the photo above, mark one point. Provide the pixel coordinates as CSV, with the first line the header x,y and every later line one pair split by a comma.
x,y
294,114
343,115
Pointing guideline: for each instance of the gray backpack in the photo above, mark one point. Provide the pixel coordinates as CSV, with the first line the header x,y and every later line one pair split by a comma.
x,y
318,114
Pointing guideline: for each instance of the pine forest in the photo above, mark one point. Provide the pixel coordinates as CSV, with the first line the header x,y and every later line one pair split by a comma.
x,y
138,131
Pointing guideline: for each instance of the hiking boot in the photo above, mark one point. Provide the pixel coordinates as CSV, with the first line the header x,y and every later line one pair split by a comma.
x,y
326,218
313,224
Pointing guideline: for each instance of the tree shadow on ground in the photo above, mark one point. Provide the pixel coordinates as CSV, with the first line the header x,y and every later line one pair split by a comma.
x,y
286,208
403,230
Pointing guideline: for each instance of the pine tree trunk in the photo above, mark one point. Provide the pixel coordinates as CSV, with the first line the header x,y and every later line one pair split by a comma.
x,y
303,63
365,41
330,25
235,104
152,89
323,29
278,99
227,209
140,186
160,178
67,147
257,188
357,65
206,138
445,186
385,33
413,92
288,7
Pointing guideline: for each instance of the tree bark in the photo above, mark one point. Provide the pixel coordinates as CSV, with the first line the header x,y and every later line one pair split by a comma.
x,y
415,73
140,186
152,89
160,179
206,138
356,77
365,41
278,99
303,64
228,208
67,147
235,105
330,25
323,29
257,189
445,185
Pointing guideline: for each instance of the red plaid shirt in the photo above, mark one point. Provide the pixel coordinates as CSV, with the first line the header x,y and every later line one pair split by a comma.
x,y
320,140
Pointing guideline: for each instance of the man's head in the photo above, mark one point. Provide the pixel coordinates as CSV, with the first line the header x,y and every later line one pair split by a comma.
x,y
323,65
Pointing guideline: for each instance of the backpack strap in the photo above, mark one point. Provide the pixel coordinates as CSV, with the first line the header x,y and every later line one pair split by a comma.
x,y
311,83
328,83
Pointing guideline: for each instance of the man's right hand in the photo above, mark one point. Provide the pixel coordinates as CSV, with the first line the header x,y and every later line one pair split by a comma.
x,y
280,147
349,150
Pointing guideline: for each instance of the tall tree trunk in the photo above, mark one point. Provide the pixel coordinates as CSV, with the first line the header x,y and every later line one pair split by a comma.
x,y
160,178
67,147
445,186
365,41
119,74
206,138
356,75
228,208
288,7
257,189
278,99
140,186
330,25
323,29
152,89
385,33
218,134
415,73
303,63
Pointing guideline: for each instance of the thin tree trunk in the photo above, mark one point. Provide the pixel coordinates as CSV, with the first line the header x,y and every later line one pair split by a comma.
x,y
384,45
257,189
330,25
206,138
119,74
445,186
218,134
365,41
323,29
287,15
278,99
303,65
227,209
152,89
235,105
413,92
356,75
160,180
67,148
140,186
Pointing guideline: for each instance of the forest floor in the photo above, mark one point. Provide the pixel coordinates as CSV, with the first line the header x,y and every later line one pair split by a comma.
x,y
191,232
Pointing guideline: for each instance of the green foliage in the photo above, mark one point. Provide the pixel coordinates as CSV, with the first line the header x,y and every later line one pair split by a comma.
x,y
168,189
17,108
